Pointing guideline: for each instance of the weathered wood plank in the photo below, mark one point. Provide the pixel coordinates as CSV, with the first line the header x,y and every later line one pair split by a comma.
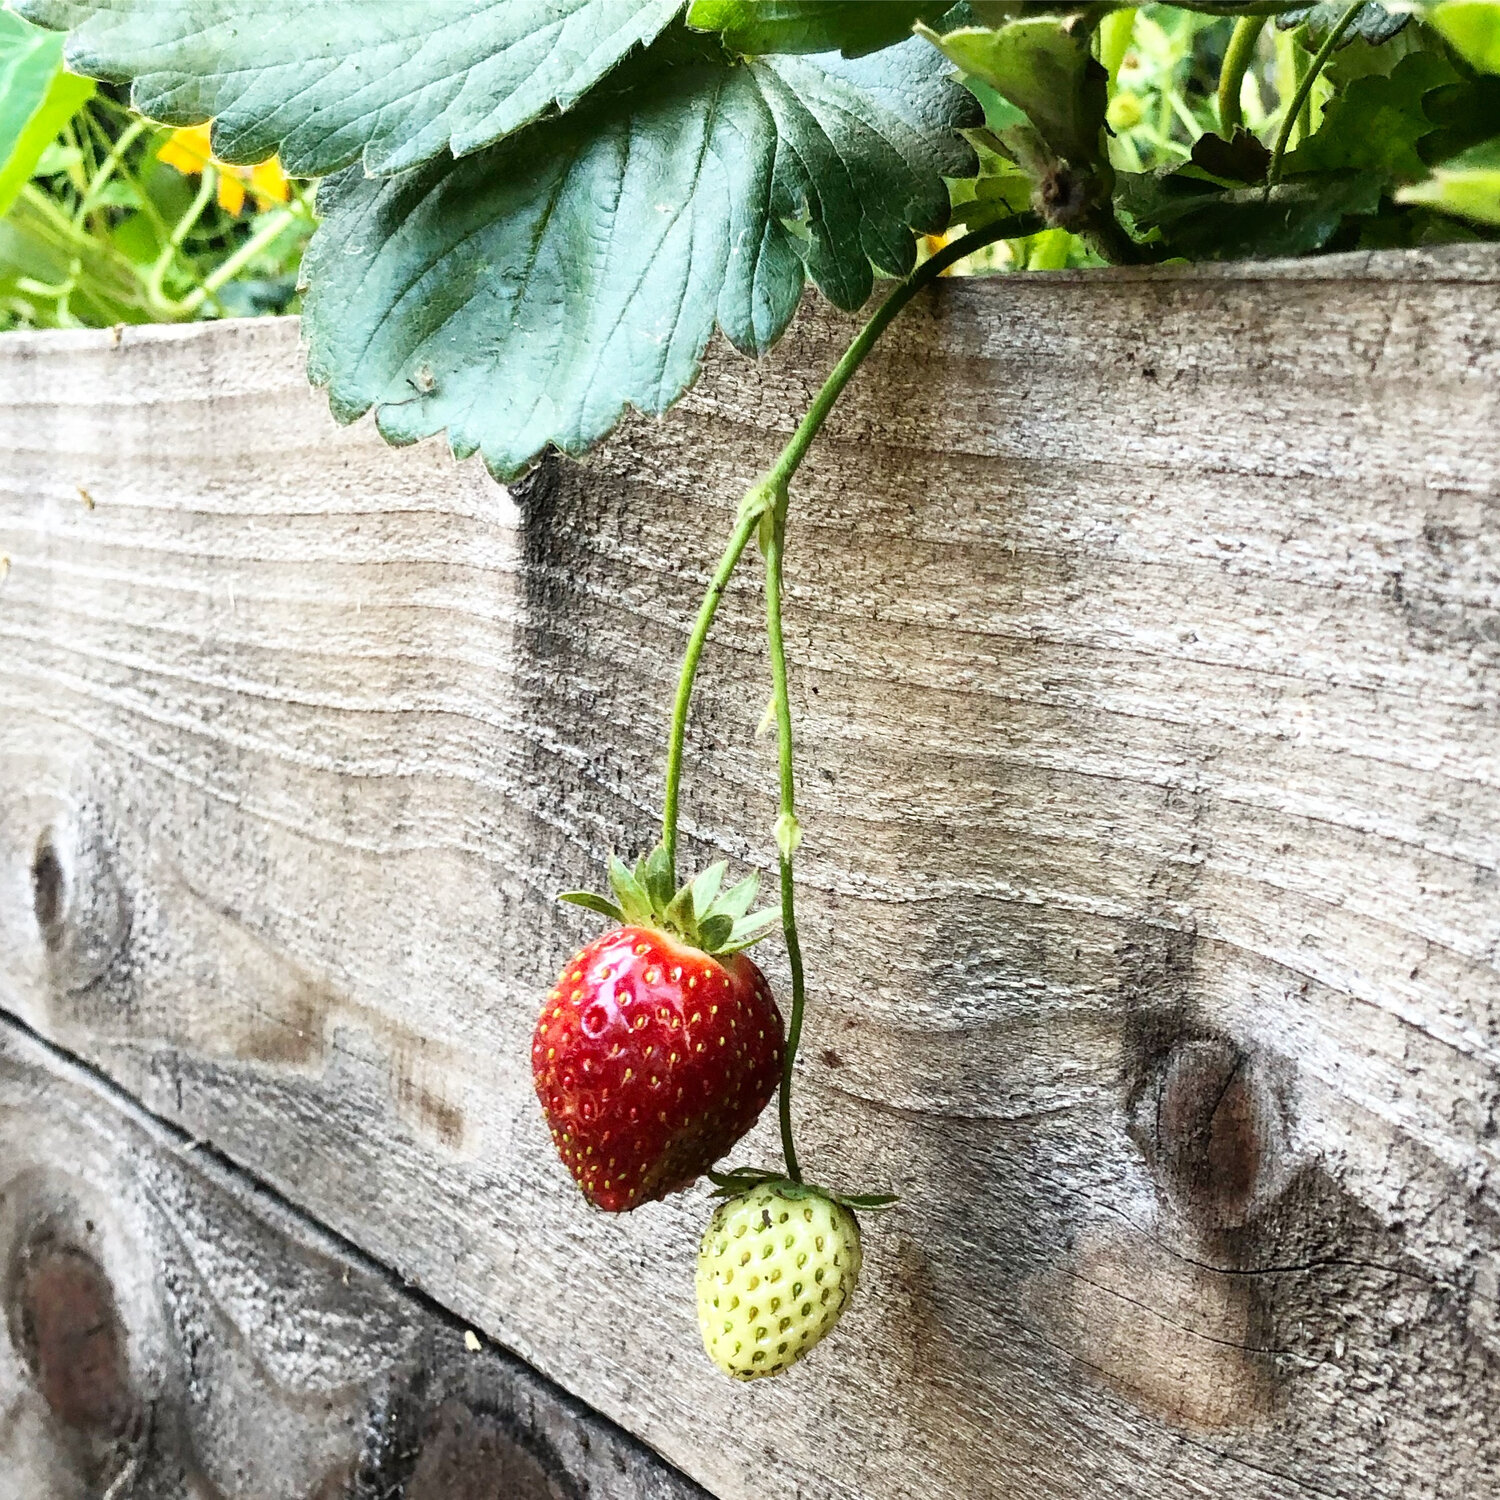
x,y
170,1332
1147,644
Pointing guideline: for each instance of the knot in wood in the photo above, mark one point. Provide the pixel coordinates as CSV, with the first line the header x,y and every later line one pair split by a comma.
x,y
1218,1137
48,891
65,1325
82,913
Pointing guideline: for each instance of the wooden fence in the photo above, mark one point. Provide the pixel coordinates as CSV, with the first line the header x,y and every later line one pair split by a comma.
x,y
1146,644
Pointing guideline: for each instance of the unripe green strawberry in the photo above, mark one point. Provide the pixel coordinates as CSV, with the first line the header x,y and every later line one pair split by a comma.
x,y
776,1268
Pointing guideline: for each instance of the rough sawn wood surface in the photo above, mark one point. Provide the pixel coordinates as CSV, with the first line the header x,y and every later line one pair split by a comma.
x,y
170,1332
1146,644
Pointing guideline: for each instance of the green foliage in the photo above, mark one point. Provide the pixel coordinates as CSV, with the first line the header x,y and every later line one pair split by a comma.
x,y
1377,123
1473,27
1044,67
758,28
525,295
37,98
328,83
537,212
1375,23
1467,186
1203,220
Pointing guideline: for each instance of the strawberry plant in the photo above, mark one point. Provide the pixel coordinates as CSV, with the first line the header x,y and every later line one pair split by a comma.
x,y
537,213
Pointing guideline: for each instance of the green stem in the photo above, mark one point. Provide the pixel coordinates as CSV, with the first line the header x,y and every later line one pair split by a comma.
x,y
744,529
231,267
801,440
786,823
1304,89
107,168
774,546
1237,59
764,509
164,261
765,494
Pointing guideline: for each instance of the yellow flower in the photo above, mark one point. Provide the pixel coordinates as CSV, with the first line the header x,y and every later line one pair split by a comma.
x,y
188,150
932,243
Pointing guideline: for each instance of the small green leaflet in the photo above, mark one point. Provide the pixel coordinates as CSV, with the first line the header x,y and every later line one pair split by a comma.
x,y
1204,221
1467,186
758,27
37,98
328,82
1042,66
525,296
1473,26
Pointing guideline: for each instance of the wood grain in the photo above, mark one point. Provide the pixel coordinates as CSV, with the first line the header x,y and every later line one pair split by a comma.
x,y
170,1331
1146,643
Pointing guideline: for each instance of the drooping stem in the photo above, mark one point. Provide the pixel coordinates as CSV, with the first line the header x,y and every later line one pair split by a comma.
x,y
764,509
787,834
744,529
1304,89
181,231
764,495
801,440
1237,58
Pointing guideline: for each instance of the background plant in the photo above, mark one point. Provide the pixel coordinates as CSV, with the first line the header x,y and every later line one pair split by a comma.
x,y
91,234
107,218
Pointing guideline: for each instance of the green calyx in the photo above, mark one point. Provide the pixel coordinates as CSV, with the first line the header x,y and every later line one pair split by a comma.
x,y
739,1180
701,913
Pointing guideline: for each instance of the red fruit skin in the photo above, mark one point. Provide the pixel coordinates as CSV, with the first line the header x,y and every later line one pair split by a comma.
x,y
651,1059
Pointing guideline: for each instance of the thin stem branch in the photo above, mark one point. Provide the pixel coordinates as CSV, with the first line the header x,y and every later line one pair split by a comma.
x,y
107,168
232,265
169,251
801,440
1238,56
764,510
786,824
788,834
744,529
1304,89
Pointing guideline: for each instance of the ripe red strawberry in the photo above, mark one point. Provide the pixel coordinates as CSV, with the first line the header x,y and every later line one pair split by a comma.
x,y
660,1043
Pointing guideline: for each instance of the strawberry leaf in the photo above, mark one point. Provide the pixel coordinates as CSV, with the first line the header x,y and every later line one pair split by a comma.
x,y
1468,186
1375,23
706,886
1473,27
1200,219
738,899
757,27
635,903
37,98
714,932
525,296
1377,122
591,902
338,81
1043,66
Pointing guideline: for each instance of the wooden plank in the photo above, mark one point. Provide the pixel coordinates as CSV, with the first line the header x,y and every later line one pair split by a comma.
x,y
171,1331
1146,633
